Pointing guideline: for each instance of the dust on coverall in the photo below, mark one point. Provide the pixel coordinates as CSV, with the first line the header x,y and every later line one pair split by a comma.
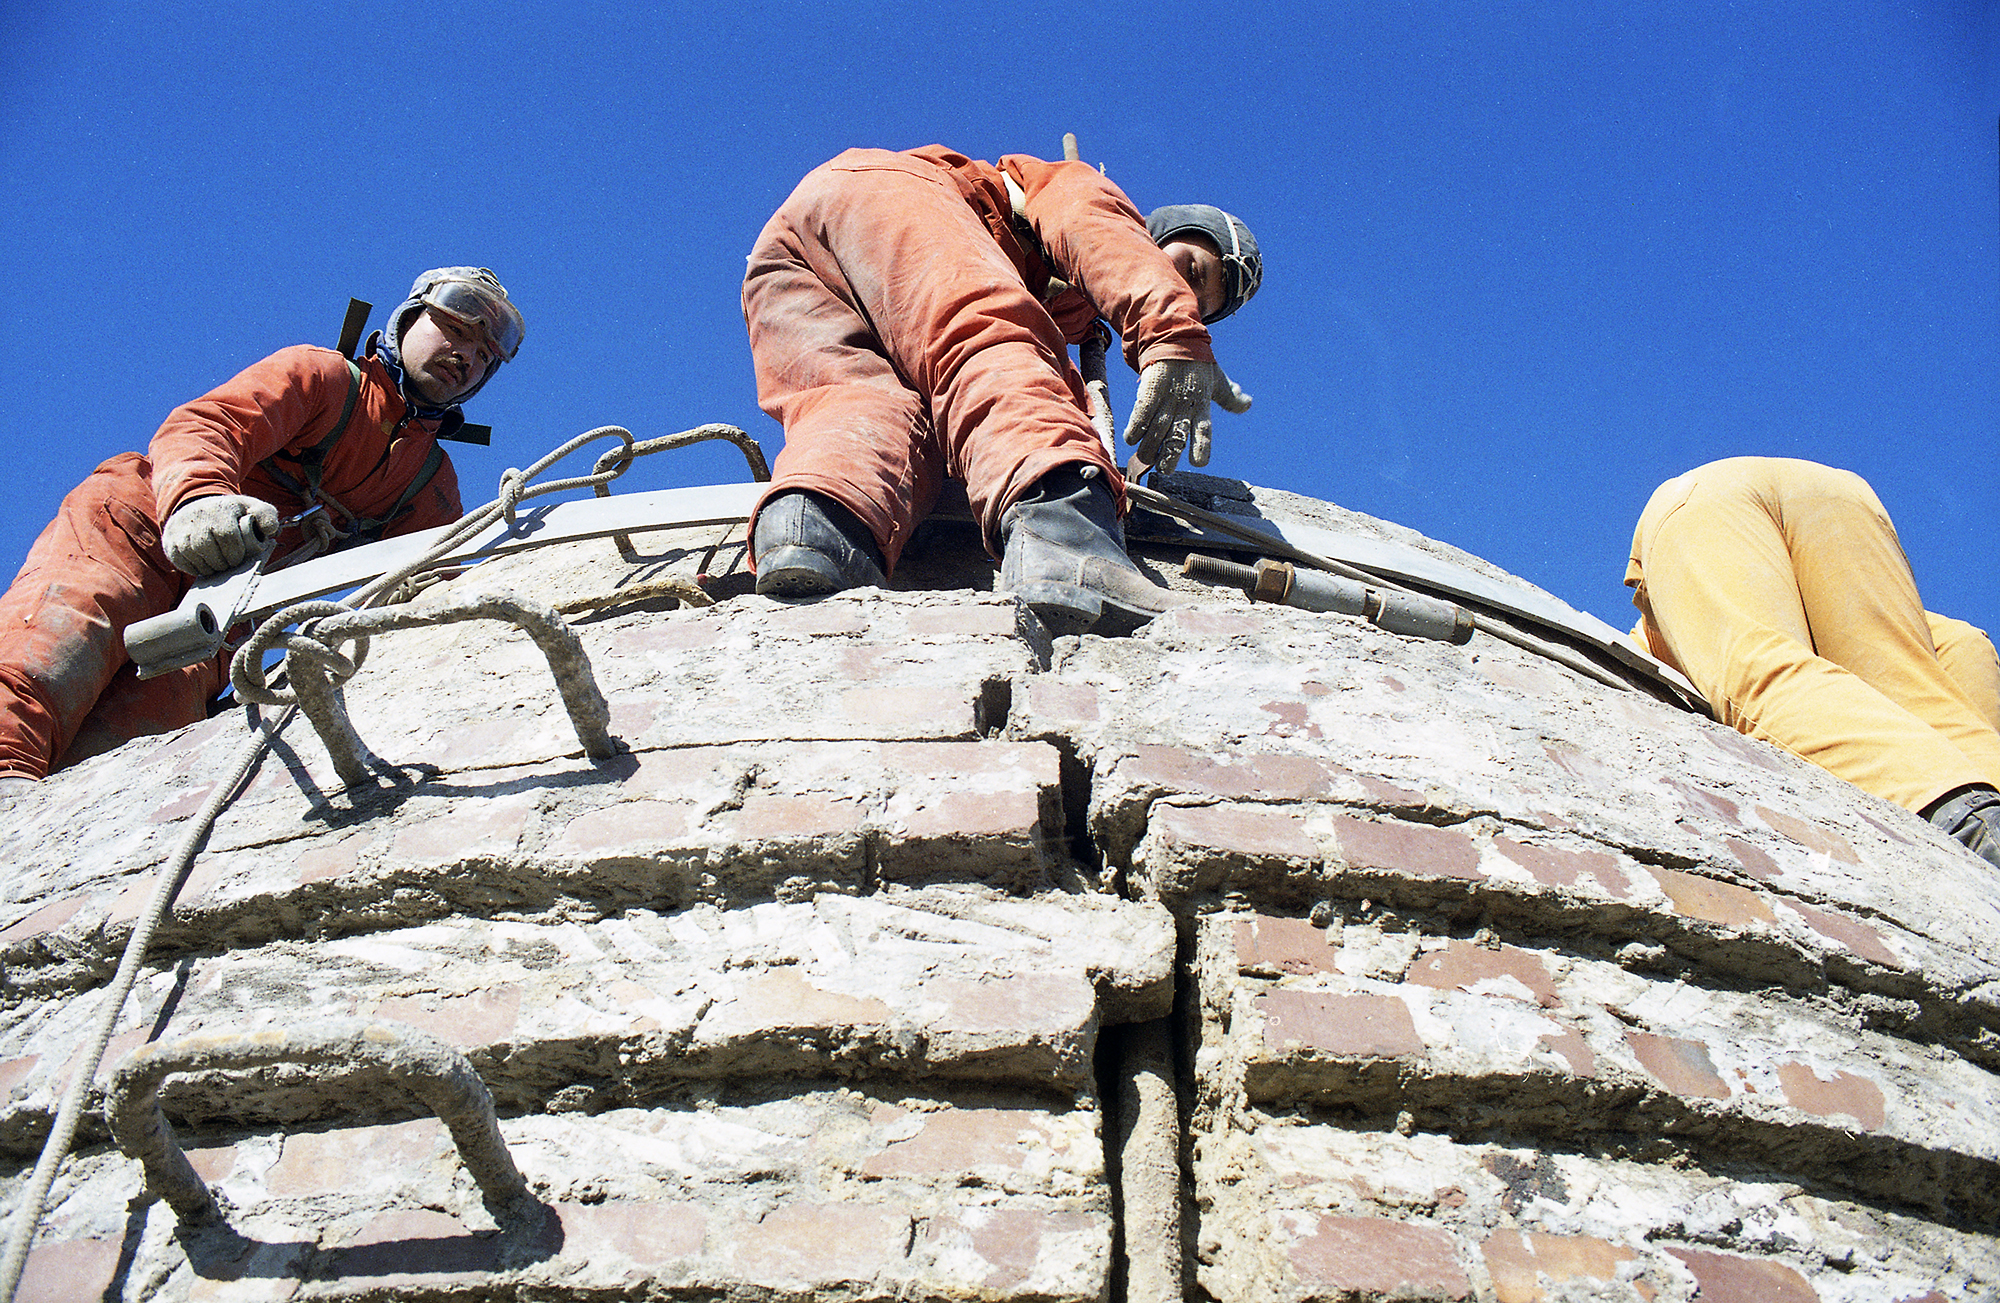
x,y
1780,589
67,690
899,328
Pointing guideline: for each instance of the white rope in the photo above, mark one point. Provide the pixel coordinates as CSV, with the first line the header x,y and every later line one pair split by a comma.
x,y
514,490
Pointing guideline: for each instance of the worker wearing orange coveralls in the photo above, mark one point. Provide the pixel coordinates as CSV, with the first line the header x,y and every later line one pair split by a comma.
x,y
1779,588
220,473
910,316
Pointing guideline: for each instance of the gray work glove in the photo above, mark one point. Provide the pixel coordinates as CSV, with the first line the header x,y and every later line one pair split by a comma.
x,y
1170,412
210,535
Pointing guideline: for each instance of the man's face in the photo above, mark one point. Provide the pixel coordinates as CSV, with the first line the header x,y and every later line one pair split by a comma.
x,y
1199,262
443,357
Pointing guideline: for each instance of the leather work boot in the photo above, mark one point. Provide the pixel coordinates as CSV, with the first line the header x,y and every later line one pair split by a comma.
x,y
1065,557
1972,816
809,546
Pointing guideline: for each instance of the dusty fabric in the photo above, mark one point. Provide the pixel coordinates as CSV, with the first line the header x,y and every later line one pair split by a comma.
x,y
66,688
1779,588
906,329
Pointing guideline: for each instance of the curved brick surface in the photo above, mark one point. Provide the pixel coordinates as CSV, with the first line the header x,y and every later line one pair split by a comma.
x,y
1491,982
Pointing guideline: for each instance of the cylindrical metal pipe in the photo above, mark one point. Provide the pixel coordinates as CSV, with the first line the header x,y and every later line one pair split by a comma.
x,y
1314,590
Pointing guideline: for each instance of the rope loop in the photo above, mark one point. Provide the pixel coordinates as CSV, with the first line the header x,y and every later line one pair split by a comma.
x,y
246,671
513,487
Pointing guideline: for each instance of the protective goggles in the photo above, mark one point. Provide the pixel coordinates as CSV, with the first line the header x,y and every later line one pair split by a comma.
x,y
1241,272
479,305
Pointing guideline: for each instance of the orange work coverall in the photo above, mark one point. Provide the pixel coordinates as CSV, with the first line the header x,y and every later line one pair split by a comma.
x,y
1779,588
67,690
906,328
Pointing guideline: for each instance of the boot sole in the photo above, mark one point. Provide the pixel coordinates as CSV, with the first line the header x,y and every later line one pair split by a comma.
x,y
796,572
1069,609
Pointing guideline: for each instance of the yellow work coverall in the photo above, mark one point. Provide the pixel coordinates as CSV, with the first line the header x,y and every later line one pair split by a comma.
x,y
1779,588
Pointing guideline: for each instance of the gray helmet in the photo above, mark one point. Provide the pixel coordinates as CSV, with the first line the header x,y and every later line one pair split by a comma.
x,y
472,295
1242,266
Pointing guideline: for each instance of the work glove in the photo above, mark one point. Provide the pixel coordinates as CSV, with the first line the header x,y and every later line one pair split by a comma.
x,y
210,535
1170,412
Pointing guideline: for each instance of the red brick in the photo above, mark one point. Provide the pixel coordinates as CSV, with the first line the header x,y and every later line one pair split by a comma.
x,y
1057,704
212,1164
1205,774
1723,1278
1582,766
633,828
922,711
1857,936
664,633
1754,861
1701,801
1731,743
1530,681
1358,1026
183,805
1463,966
334,1162
414,1246
957,1141
781,999
14,1071
1253,832
964,814
821,1244
1210,623
192,744
462,746
632,717
786,818
115,1054
820,619
1560,868
1009,1240
650,1234
1390,795
42,922
1281,945
966,763
472,828
1515,1258
1377,1255
1682,1066
468,1021
847,663
683,772
1407,848
1710,901
1844,1094
332,857
964,620
67,1271
1810,836
1294,719
1044,1004
1575,1051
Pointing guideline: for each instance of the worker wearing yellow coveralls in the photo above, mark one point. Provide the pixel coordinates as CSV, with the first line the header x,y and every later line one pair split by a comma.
x,y
1779,588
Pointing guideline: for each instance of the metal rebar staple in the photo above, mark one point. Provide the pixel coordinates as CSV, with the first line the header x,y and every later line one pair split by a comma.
x,y
316,668
435,1073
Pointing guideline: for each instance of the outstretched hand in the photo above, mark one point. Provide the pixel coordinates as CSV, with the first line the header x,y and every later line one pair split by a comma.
x,y
1170,413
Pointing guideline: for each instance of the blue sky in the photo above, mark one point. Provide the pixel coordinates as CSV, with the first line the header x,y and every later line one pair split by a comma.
x,y
1523,260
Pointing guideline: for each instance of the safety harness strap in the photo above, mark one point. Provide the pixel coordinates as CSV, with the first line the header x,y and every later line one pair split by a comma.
x,y
312,465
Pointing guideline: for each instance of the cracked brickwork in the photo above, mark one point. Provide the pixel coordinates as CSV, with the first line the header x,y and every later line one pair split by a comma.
x,y
1484,980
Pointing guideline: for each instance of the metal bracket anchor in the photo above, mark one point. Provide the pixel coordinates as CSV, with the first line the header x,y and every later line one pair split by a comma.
x,y
435,1073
